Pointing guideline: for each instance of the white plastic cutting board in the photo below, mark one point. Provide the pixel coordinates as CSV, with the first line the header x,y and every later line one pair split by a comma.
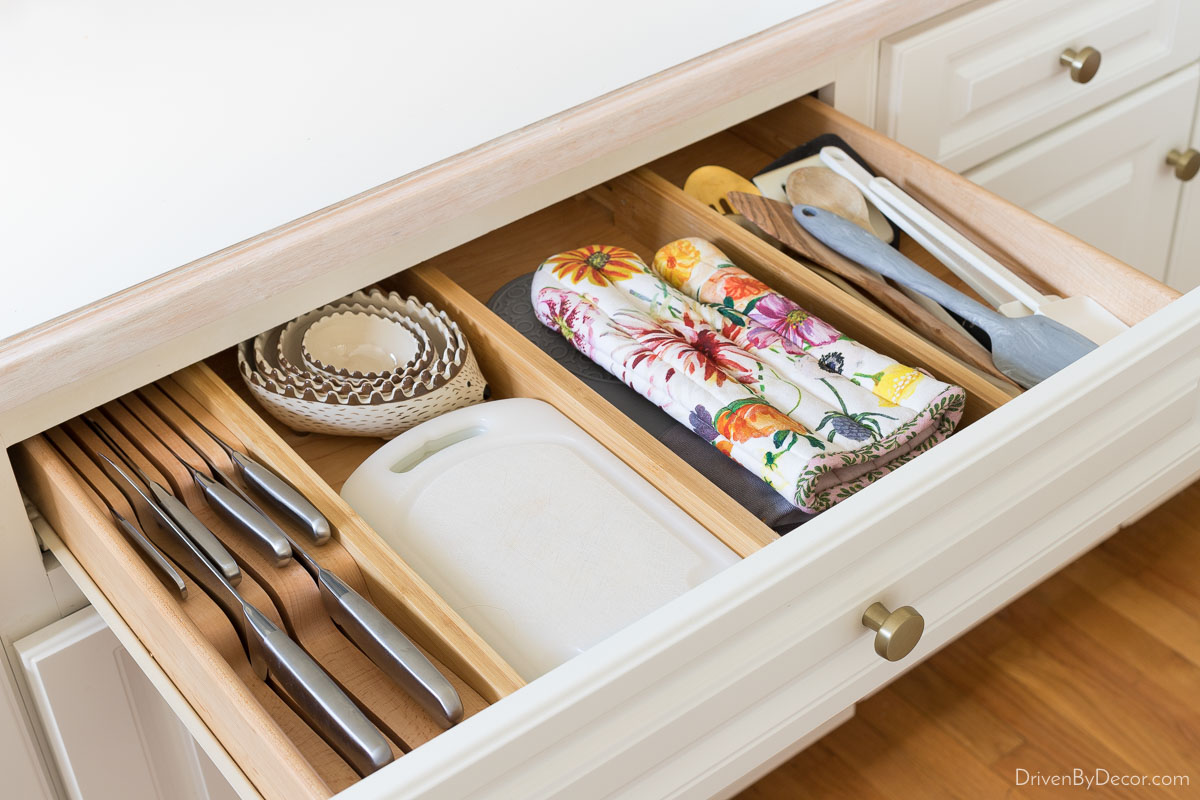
x,y
543,540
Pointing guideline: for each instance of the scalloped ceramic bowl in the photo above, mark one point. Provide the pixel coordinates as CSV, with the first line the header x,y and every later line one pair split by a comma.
x,y
282,355
272,366
356,344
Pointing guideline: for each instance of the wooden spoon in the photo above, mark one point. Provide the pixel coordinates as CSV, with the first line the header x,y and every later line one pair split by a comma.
x,y
776,219
824,188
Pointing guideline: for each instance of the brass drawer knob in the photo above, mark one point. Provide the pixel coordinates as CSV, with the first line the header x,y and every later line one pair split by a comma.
x,y
1186,163
897,632
1083,63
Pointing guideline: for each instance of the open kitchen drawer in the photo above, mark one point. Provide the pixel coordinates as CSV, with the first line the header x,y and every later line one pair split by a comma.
x,y
694,698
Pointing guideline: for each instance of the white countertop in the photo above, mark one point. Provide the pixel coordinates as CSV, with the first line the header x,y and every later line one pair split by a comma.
x,y
141,135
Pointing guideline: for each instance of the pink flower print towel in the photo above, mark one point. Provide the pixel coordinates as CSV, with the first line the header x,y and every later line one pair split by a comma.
x,y
813,413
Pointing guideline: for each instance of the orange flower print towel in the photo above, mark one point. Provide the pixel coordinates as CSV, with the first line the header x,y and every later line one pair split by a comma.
x,y
813,413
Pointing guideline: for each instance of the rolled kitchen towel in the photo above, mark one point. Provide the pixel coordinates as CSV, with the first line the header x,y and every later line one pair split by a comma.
x,y
512,303
811,412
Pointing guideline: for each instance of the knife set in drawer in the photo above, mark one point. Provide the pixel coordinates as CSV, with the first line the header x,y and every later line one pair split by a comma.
x,y
196,509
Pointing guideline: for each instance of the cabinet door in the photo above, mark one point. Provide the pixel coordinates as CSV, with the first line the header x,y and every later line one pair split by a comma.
x,y
1104,177
1183,271
113,737
980,80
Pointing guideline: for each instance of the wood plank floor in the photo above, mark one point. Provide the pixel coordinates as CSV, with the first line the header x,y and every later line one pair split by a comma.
x,y
1098,667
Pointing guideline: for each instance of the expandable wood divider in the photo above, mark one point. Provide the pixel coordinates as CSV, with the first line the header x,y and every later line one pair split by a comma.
x,y
212,621
298,600
1034,248
393,586
515,367
270,758
331,555
656,210
176,429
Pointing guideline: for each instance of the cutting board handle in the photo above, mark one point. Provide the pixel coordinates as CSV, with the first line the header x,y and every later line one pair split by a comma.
x,y
430,447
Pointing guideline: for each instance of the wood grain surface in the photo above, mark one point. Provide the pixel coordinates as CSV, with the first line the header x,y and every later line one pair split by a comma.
x,y
213,624
392,584
264,751
1097,667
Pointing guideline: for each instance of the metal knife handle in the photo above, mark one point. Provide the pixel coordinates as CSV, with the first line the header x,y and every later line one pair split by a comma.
x,y
235,509
158,562
318,699
190,557
392,651
285,496
205,539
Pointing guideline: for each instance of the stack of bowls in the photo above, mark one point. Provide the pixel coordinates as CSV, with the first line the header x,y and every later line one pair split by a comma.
x,y
370,364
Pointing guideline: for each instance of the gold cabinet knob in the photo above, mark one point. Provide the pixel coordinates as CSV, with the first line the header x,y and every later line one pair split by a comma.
x,y
1083,63
897,632
1186,163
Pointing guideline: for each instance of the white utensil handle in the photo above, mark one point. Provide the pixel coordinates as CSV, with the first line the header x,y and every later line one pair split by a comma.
x,y
841,163
987,289
958,244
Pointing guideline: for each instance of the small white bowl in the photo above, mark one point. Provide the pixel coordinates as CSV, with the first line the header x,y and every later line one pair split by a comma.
x,y
358,345
284,351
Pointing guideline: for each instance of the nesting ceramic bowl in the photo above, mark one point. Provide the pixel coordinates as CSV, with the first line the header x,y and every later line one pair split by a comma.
x,y
279,352
356,344
371,364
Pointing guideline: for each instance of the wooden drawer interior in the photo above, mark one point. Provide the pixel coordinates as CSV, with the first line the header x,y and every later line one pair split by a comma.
x,y
641,211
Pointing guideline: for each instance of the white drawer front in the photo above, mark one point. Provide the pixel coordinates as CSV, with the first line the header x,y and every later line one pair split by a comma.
x,y
112,735
687,700
1104,177
985,81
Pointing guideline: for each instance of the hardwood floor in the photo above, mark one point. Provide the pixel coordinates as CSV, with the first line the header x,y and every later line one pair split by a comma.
x,y
1098,667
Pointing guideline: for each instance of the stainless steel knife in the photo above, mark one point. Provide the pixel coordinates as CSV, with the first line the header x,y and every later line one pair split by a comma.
x,y
199,532
272,486
366,626
274,654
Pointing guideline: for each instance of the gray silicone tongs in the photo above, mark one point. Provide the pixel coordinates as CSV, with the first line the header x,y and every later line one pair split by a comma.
x,y
364,624
272,652
1026,349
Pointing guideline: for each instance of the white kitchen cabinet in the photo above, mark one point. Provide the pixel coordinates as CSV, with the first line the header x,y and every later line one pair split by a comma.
x,y
112,735
1183,270
694,698
983,79
1104,176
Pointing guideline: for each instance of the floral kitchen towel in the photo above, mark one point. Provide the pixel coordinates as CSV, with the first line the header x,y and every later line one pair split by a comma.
x,y
813,413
